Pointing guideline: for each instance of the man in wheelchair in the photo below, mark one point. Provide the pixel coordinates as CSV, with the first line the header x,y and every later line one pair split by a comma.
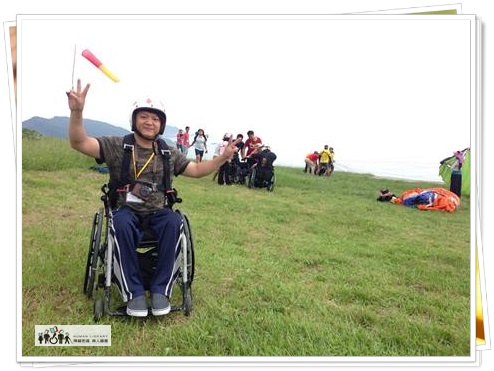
x,y
263,168
142,194
239,170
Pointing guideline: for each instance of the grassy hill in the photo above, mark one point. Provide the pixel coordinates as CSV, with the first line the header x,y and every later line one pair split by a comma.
x,y
317,267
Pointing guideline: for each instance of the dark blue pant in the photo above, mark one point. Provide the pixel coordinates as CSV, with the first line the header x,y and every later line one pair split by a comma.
x,y
224,173
166,225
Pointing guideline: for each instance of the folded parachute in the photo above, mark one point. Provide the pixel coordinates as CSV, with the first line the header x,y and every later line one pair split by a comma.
x,y
429,199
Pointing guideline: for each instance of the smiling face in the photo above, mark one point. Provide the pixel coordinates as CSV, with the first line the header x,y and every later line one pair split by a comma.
x,y
148,124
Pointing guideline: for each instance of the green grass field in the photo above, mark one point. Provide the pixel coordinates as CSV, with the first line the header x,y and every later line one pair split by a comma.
x,y
317,267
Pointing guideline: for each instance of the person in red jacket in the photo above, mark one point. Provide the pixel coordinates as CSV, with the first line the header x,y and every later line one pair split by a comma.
x,y
312,162
252,145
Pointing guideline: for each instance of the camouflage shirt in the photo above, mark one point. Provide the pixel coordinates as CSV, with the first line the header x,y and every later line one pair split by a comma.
x,y
112,152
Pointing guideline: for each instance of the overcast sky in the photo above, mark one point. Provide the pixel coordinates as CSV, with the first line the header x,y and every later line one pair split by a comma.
x,y
389,93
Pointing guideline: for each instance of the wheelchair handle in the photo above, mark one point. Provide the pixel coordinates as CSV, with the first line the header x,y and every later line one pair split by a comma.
x,y
172,197
105,197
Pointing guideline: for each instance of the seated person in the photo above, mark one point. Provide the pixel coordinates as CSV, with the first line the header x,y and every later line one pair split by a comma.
x,y
264,166
140,194
239,169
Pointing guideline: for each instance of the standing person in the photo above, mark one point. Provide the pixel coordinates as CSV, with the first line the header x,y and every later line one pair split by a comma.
x,y
145,171
324,158
200,145
180,140
238,168
311,161
331,161
456,173
224,170
216,152
240,145
241,149
186,139
253,145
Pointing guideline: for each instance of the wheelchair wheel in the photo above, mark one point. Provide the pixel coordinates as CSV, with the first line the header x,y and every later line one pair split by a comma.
x,y
186,282
188,301
190,248
92,257
98,310
252,178
271,185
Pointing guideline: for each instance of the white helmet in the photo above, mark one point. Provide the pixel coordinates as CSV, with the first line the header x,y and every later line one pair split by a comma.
x,y
156,107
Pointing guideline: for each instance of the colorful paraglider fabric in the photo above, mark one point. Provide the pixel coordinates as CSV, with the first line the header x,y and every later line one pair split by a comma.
x,y
424,199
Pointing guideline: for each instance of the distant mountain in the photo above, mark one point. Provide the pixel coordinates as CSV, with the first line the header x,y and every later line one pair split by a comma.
x,y
58,127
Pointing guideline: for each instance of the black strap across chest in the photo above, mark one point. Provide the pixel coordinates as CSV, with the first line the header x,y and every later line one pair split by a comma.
x,y
128,146
125,179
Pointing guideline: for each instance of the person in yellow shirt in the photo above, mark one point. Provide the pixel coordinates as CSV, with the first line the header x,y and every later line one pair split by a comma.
x,y
331,162
324,161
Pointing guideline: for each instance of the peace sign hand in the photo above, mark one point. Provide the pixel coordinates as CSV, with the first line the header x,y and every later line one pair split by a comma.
x,y
231,149
77,99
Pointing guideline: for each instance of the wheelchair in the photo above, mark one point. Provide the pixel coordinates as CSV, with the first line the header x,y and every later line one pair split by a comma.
x,y
99,280
239,172
261,172
262,175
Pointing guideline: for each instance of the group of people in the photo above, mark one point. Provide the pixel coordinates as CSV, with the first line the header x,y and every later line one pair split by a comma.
x,y
247,155
320,162
250,153
199,142
141,189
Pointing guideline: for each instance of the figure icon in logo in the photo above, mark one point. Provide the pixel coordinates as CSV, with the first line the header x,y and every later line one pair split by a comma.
x,y
67,339
47,336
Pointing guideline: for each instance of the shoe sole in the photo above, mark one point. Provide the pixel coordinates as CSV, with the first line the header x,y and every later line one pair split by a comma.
x,y
137,313
160,312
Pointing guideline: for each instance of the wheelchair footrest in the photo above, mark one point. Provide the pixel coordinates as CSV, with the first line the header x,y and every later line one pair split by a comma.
x,y
122,310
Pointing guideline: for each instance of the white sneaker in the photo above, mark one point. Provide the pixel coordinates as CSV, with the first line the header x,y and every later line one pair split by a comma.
x,y
137,307
159,304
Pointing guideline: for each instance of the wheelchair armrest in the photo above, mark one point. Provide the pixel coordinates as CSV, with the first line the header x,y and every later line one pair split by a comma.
x,y
172,197
105,197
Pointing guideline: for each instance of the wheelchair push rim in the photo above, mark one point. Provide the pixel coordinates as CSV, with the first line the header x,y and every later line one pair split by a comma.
x,y
273,181
190,248
92,257
186,285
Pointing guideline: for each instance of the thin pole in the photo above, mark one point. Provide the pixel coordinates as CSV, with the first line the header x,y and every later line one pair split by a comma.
x,y
73,66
